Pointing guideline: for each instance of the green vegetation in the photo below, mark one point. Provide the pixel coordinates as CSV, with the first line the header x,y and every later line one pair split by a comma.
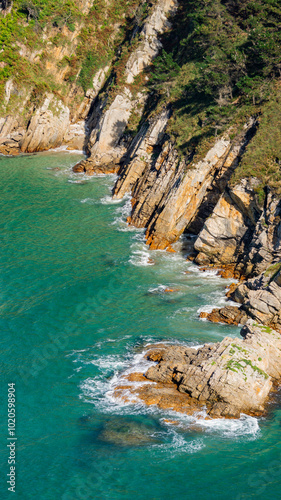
x,y
220,66
239,348
44,25
264,328
273,270
236,366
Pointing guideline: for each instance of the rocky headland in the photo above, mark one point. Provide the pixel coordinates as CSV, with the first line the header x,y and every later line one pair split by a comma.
x,y
193,133
226,378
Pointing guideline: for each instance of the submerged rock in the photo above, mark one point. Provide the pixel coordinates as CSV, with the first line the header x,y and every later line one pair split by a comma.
x,y
122,431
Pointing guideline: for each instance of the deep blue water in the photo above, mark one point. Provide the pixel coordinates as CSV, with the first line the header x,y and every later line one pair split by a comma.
x,y
80,297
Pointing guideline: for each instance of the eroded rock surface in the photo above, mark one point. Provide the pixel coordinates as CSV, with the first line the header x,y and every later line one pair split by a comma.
x,y
230,377
106,149
227,230
170,195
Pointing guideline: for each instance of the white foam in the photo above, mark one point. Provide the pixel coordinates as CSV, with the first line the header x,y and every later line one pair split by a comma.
x,y
108,200
113,369
210,274
232,428
180,445
65,150
89,201
245,426
122,213
141,258
157,289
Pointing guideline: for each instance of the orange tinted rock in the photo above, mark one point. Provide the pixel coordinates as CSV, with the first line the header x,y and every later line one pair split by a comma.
x,y
231,289
170,249
136,377
165,396
230,315
78,168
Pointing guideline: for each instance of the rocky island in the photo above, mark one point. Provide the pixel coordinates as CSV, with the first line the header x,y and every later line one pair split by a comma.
x,y
182,101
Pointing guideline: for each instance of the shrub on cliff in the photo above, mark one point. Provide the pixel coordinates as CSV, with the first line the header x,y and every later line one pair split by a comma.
x,y
228,58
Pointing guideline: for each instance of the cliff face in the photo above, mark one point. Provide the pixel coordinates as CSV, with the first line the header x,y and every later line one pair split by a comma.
x,y
107,100
191,124
63,57
124,119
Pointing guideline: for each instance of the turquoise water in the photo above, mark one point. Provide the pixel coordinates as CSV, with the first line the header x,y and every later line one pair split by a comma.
x,y
81,296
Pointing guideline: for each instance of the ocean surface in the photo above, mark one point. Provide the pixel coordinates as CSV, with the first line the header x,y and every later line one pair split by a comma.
x,y
80,298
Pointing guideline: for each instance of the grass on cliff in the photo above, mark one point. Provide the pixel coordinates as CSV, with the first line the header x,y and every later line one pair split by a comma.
x,y
263,155
43,25
220,65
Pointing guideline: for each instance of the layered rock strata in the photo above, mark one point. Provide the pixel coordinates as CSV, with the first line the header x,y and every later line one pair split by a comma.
x,y
230,377
105,145
260,298
253,249
172,195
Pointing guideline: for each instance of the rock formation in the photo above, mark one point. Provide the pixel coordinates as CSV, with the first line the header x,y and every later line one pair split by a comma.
x,y
106,151
255,254
169,195
89,103
230,377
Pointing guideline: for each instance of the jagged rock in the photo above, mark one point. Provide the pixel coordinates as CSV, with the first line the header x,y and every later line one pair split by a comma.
x,y
167,194
91,95
47,127
186,192
11,135
150,45
105,137
265,247
260,298
230,377
75,136
140,153
234,375
235,214
230,315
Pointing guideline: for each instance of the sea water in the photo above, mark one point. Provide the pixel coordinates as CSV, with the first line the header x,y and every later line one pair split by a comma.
x,y
81,297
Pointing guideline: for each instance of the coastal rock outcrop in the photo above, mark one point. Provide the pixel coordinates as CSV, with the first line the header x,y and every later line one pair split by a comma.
x,y
241,232
227,230
255,254
106,150
47,127
230,377
260,298
169,194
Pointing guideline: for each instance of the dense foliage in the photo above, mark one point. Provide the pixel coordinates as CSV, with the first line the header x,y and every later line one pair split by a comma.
x,y
220,65
88,40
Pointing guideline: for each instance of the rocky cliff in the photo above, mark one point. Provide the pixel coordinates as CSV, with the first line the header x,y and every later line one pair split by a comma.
x,y
191,125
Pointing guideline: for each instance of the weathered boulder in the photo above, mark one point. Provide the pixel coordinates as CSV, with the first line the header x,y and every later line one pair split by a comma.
x,y
230,315
260,298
